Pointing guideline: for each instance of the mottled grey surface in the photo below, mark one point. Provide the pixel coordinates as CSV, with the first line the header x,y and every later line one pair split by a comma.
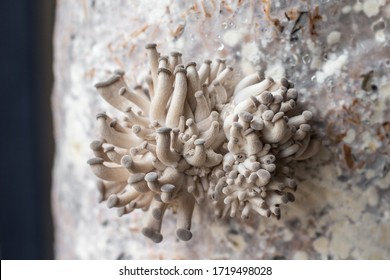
x,y
336,54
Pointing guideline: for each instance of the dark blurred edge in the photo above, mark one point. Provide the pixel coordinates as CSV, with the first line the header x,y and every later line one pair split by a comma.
x,y
26,129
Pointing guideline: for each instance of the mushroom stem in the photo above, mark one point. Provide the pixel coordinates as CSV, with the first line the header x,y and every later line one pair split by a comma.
x,y
220,93
97,148
154,220
178,98
212,158
153,57
311,150
162,94
109,90
107,188
113,155
253,90
210,134
193,84
163,147
135,118
136,166
204,71
186,204
107,173
248,81
222,76
108,133
199,156
137,99
137,182
202,110
296,121
206,123
214,70
128,195
174,60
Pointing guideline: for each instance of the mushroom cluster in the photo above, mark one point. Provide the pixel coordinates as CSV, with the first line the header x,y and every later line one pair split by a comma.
x,y
188,135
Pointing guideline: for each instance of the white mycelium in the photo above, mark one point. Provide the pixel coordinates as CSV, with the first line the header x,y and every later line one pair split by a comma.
x,y
190,135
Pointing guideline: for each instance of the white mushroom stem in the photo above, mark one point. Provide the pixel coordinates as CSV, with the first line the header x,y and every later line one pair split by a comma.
x,y
248,105
193,84
263,177
296,121
123,140
292,93
192,128
176,144
97,148
210,135
260,211
178,98
244,119
109,90
170,176
220,93
289,151
212,158
186,205
254,144
152,225
225,74
265,98
273,132
205,123
107,188
202,110
128,195
153,57
137,182
163,63
137,99
195,189
113,155
142,132
116,126
248,81
253,90
236,132
311,150
257,123
162,94
265,150
151,180
150,86
214,70
288,105
135,118
228,161
251,165
107,173
163,151
167,192
135,166
199,156
174,60
204,71
276,197
243,170
219,140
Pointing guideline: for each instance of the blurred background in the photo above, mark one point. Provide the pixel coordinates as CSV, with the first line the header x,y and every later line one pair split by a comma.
x,y
26,129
